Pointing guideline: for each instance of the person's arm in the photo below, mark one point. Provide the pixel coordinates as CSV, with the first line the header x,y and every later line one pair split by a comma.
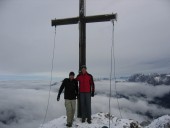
x,y
92,86
76,89
60,90
77,79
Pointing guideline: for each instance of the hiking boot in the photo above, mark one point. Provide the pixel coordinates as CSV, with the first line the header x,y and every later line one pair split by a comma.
x,y
83,120
89,121
69,125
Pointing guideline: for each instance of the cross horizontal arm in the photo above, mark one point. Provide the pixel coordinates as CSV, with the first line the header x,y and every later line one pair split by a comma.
x,y
65,21
87,19
100,18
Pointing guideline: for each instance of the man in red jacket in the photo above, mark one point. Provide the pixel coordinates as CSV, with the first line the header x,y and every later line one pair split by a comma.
x,y
86,91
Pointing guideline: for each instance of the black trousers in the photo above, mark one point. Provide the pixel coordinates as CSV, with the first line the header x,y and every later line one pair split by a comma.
x,y
85,101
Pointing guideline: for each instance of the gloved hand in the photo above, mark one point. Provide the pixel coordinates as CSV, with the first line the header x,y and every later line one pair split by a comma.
x,y
58,98
77,96
92,94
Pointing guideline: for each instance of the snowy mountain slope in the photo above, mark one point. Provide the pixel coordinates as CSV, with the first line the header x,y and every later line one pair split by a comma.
x,y
162,122
98,121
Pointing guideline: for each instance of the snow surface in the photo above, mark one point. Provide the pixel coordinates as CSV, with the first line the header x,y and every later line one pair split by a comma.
x,y
100,120
162,122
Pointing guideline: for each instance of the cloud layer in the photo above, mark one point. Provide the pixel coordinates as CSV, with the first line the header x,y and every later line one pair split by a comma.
x,y
23,103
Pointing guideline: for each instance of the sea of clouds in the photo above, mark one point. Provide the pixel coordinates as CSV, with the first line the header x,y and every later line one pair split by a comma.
x,y
23,102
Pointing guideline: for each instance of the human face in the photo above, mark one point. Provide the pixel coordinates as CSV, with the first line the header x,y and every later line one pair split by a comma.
x,y
71,77
83,70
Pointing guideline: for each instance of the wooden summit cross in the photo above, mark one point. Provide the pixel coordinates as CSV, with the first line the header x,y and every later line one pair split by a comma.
x,y
82,20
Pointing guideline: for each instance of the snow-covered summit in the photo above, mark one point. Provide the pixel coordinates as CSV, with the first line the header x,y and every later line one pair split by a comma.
x,y
100,120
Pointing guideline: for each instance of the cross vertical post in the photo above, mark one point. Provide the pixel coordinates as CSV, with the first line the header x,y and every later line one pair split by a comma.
x,y
82,35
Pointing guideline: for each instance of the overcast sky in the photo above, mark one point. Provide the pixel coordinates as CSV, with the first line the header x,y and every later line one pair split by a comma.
x,y
142,37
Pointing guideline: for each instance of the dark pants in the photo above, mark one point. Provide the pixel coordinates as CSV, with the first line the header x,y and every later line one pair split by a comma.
x,y
85,101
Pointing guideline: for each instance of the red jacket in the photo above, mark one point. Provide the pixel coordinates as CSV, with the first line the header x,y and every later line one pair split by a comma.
x,y
86,83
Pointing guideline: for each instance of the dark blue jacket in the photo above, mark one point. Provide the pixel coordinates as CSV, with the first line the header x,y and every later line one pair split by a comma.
x,y
70,89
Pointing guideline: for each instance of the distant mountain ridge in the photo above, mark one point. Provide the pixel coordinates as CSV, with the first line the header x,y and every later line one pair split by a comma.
x,y
154,78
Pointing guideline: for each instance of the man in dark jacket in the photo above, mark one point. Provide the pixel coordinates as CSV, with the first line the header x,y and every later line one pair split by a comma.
x,y
70,93
86,90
